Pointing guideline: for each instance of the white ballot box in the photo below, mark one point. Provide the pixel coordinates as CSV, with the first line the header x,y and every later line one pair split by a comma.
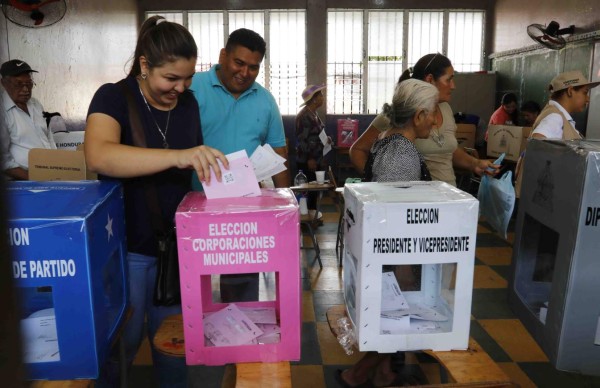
x,y
408,265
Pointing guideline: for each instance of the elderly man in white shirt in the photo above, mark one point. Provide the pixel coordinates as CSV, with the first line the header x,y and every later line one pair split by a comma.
x,y
24,126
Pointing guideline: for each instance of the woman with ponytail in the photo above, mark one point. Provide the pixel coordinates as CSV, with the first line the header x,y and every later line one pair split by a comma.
x,y
157,88
440,149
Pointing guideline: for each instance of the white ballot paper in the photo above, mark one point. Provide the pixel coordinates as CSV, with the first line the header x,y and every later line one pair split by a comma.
x,y
391,295
230,327
265,315
266,162
40,339
416,311
238,181
272,334
394,325
325,141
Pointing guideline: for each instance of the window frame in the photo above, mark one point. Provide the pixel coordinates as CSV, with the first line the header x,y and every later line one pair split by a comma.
x,y
405,44
364,78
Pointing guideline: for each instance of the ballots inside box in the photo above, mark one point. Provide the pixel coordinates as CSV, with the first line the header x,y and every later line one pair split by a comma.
x,y
408,265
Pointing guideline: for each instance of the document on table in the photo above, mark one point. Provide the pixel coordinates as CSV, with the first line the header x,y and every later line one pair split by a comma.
x,y
266,162
325,140
40,338
391,295
230,327
238,181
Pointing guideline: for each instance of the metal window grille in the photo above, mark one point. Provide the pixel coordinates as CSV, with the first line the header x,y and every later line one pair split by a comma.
x,y
344,61
367,50
175,17
283,70
384,57
207,30
425,34
287,58
465,40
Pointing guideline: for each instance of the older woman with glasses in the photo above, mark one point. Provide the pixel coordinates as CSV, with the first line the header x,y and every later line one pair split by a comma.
x,y
440,149
24,126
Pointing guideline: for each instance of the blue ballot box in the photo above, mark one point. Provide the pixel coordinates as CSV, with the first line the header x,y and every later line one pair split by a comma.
x,y
68,252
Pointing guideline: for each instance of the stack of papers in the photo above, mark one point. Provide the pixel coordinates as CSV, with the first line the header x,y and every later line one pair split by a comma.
x,y
233,326
399,317
266,162
39,336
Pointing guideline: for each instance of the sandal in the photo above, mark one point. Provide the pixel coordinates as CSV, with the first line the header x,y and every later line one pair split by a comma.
x,y
342,383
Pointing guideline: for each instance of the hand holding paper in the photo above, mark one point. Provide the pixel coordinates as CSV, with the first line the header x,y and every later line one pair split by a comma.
x,y
326,140
238,181
266,162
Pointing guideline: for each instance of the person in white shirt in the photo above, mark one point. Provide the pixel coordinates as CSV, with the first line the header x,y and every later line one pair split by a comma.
x,y
24,126
570,93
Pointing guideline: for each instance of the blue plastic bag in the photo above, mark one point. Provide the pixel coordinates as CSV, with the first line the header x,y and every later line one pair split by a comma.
x,y
497,201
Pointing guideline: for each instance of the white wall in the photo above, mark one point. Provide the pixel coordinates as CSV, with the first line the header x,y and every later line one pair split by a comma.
x,y
513,16
90,46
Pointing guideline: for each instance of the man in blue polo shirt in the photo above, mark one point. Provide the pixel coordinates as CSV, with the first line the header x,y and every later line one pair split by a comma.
x,y
237,113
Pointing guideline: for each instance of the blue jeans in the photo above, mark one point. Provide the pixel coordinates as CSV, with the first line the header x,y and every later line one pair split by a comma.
x,y
170,371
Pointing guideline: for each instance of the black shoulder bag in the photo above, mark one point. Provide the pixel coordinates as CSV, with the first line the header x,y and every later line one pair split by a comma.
x,y
166,289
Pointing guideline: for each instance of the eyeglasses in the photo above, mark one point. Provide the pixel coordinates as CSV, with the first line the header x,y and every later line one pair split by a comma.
x,y
20,85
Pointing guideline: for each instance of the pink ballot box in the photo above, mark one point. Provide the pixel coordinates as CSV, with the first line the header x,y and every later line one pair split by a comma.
x,y
239,236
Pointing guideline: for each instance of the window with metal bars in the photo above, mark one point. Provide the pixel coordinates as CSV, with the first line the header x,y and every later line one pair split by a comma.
x,y
367,50
282,71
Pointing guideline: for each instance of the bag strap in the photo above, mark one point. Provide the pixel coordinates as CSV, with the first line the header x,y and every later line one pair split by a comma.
x,y
139,140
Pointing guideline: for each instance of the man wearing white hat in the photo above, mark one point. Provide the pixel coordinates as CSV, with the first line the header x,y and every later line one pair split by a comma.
x,y
24,126
570,93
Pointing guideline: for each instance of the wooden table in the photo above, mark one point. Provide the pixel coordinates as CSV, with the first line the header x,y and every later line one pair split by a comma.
x,y
309,221
472,367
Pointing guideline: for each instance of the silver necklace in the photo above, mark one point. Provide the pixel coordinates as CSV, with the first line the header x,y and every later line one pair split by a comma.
x,y
438,137
163,134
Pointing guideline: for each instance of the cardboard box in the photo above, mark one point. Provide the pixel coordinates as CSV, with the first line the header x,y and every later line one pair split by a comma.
x,y
58,165
68,261
426,230
507,139
68,140
554,288
232,236
465,135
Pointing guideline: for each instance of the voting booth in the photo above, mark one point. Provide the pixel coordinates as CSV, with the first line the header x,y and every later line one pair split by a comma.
x,y
240,236
408,265
68,250
554,288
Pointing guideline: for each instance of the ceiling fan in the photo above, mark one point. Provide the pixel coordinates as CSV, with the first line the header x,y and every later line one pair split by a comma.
x,y
34,13
551,35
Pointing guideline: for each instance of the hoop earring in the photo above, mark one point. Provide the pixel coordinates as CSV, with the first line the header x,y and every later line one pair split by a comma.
x,y
144,76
